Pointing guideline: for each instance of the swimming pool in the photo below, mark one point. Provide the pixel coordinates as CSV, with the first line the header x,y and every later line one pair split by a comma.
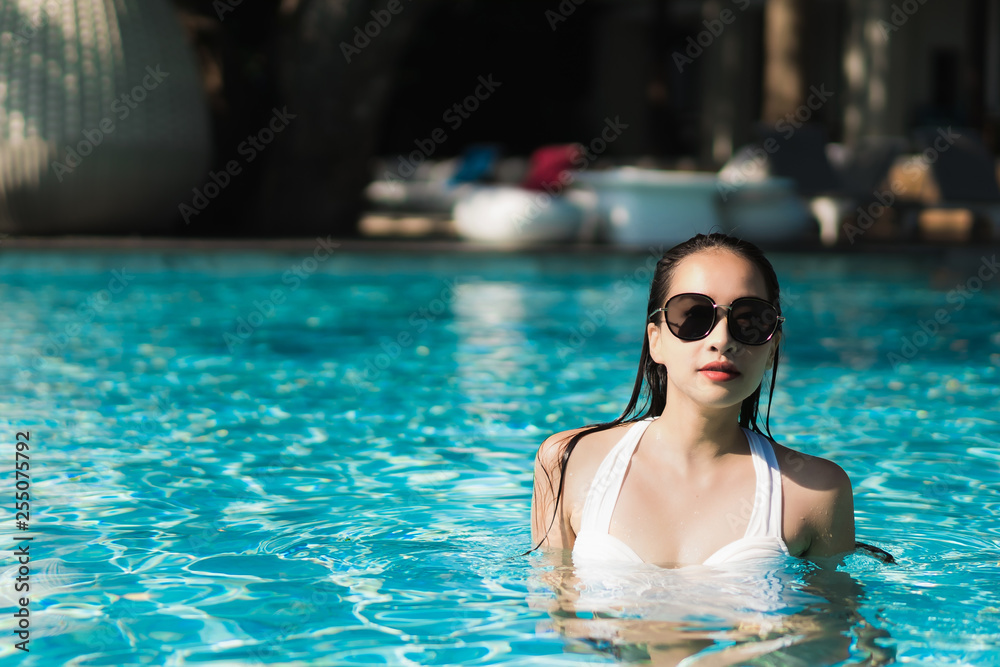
x,y
298,458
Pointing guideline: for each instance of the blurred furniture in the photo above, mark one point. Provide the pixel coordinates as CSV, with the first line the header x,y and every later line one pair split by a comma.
x,y
767,212
549,167
429,189
864,169
799,154
962,176
540,210
654,207
504,214
103,123
477,165
759,207
833,181
428,186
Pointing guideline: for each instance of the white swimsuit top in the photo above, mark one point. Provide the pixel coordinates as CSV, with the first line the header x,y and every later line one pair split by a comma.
x,y
763,535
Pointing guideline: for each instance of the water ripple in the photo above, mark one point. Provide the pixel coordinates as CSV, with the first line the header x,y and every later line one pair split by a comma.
x,y
316,494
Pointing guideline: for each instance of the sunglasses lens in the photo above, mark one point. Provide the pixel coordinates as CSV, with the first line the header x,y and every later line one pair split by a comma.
x,y
752,321
690,316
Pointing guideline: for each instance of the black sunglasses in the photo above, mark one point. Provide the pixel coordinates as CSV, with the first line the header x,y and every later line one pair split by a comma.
x,y
751,321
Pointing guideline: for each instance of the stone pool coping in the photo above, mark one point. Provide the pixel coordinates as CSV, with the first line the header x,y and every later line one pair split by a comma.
x,y
419,246
944,260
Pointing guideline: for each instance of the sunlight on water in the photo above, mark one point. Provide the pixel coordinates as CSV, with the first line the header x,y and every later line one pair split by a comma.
x,y
343,476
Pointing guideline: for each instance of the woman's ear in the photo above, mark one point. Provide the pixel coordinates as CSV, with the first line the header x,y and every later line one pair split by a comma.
x,y
653,334
774,350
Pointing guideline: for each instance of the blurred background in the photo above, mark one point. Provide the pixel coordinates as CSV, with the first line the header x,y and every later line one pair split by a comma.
x,y
834,121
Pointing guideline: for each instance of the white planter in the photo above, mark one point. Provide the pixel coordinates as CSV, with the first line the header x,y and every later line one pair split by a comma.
x,y
507,214
766,211
649,206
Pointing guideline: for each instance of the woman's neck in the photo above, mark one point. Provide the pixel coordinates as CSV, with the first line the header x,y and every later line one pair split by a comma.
x,y
689,434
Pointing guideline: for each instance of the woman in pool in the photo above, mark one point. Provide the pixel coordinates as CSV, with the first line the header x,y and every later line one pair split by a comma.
x,y
693,479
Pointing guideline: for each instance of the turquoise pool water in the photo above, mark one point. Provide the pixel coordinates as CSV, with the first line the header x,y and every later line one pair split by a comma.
x,y
344,477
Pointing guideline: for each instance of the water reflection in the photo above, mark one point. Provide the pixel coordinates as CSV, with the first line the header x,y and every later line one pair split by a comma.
x,y
492,348
767,613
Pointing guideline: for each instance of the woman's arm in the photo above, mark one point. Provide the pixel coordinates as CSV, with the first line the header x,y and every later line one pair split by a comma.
x,y
831,515
543,498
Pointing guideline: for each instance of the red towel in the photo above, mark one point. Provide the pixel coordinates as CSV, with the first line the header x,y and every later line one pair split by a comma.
x,y
548,166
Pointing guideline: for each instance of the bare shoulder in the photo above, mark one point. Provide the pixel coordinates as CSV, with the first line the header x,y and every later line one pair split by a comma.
x,y
590,448
583,462
818,502
550,451
810,473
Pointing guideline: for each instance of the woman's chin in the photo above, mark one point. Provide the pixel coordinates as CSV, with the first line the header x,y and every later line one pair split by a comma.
x,y
722,396
715,395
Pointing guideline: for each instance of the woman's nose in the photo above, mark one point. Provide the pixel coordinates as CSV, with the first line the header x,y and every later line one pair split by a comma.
x,y
719,337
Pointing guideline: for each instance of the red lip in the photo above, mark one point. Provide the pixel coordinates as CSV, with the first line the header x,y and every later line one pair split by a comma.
x,y
721,366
